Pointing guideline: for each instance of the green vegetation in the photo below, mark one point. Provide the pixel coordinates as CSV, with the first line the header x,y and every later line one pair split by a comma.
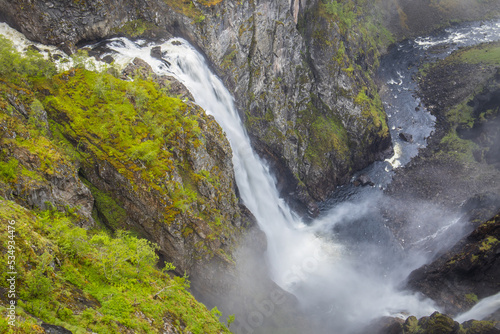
x,y
135,28
440,323
31,67
363,37
326,134
373,112
488,243
86,280
472,298
463,116
52,127
485,54
359,16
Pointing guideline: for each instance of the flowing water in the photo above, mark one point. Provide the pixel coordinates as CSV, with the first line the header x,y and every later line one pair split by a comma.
x,y
345,266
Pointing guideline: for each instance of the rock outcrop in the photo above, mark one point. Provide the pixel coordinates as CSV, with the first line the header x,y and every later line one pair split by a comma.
x,y
464,274
435,323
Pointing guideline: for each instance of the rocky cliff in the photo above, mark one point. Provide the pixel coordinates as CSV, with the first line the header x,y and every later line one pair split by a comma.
x,y
466,273
301,78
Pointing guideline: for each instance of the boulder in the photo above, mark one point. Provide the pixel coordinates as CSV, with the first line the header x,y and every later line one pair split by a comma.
x,y
156,52
363,180
406,137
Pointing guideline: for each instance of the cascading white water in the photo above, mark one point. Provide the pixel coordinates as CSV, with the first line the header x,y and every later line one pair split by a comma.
x,y
255,183
482,309
318,271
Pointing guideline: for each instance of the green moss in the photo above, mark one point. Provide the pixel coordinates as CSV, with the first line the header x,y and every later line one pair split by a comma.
x,y
439,323
95,282
457,148
185,7
487,244
135,28
228,59
472,298
327,135
8,169
110,213
372,112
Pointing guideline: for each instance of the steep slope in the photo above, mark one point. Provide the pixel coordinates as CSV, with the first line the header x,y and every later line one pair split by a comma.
x,y
412,18
90,149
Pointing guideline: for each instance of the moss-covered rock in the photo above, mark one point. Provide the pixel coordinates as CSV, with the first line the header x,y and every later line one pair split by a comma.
x,y
81,147
436,323
465,273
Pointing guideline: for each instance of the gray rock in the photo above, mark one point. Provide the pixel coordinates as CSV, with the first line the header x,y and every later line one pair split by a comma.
x,y
406,137
156,52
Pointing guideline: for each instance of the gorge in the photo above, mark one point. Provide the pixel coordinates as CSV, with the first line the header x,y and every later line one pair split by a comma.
x,y
339,256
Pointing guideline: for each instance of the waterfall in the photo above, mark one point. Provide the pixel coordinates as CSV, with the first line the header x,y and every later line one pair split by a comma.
x,y
255,182
303,259
482,309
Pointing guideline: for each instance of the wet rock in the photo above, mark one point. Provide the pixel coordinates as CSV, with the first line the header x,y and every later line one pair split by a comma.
x,y
33,48
108,59
406,137
56,56
141,68
53,329
363,180
156,52
465,273
386,325
480,208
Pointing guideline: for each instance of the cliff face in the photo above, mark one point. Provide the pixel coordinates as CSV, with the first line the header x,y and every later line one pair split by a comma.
x,y
85,148
307,105
121,155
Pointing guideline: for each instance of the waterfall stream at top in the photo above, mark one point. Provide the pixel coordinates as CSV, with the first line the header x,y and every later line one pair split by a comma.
x,y
340,277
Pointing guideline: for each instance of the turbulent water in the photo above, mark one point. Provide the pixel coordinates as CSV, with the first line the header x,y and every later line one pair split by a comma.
x,y
345,267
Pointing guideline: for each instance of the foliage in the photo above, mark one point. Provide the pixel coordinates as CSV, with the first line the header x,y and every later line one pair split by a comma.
x,y
8,169
135,28
59,264
31,67
90,280
326,134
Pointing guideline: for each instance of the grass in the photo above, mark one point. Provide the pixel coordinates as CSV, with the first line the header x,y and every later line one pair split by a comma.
x,y
89,279
485,54
84,280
